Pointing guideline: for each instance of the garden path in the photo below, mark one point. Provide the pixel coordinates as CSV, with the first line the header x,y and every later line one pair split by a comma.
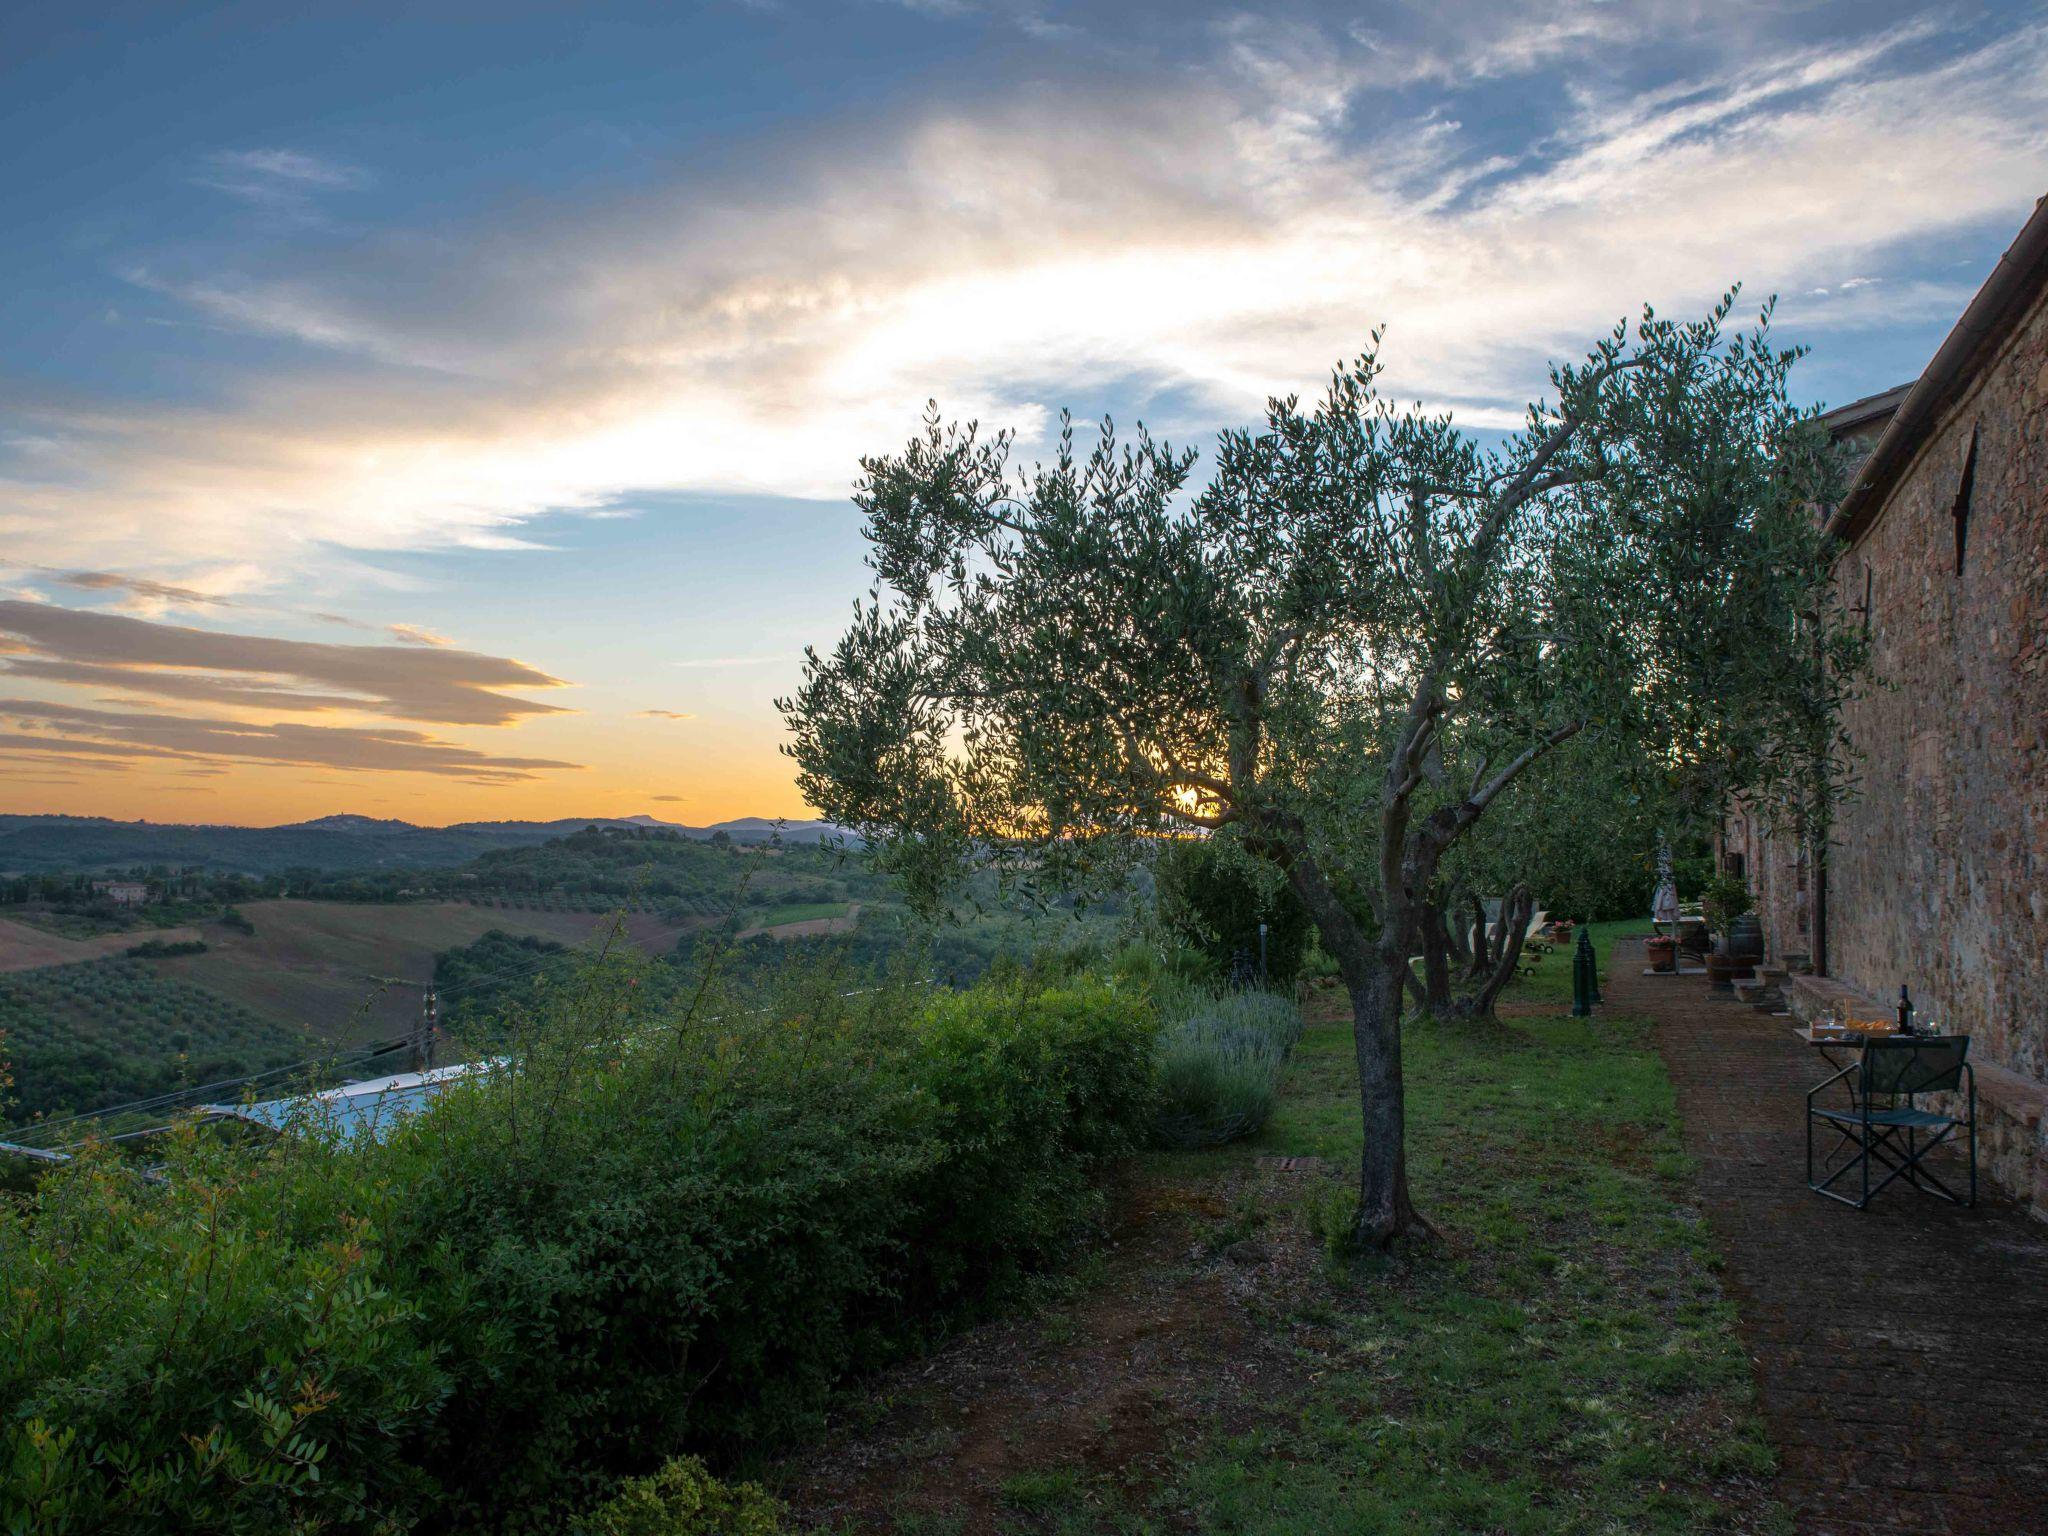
x,y
1899,1351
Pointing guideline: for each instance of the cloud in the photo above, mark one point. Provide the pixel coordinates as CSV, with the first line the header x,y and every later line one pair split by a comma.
x,y
278,178
146,594
666,799
702,662
661,714
139,586
414,634
442,685
136,737
1189,236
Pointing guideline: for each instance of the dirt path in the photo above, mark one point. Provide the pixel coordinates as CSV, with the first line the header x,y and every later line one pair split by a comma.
x,y
24,948
1899,1351
1191,1319
1091,1399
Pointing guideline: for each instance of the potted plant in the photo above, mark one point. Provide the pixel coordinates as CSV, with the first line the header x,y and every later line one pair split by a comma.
x,y
1725,900
1663,953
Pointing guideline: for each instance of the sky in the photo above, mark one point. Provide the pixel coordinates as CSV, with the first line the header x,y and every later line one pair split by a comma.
x,y
449,411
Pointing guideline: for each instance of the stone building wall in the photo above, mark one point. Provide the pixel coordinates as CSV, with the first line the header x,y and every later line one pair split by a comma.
x,y
1938,873
1779,871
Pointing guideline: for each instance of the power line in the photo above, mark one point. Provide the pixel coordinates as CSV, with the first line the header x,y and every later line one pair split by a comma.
x,y
353,1056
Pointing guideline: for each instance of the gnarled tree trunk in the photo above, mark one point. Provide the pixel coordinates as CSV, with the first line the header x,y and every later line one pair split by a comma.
x,y
1488,967
1375,971
1385,1212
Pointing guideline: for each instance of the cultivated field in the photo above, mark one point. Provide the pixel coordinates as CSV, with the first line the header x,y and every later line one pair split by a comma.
x,y
805,920
23,948
348,970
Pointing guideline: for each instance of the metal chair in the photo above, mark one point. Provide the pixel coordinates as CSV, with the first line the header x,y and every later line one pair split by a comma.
x,y
1878,1126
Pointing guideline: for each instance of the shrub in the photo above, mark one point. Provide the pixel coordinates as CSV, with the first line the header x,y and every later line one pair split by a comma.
x,y
1220,1058
660,1232
160,949
684,1499
233,1350
1213,899
1725,898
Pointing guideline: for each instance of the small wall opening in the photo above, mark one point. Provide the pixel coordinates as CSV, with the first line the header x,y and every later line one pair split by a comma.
x,y
1960,512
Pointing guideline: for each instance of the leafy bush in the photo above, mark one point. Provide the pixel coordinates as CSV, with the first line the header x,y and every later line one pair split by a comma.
x,y
234,1349
684,1499
1219,1063
666,1229
1212,898
161,949
1725,898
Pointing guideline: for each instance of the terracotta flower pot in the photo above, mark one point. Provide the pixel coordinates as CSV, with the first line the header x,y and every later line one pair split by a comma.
x,y
1663,954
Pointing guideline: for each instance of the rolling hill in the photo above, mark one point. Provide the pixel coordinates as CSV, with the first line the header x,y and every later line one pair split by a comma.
x,y
340,844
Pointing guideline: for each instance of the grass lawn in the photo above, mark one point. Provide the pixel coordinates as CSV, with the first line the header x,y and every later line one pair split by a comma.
x,y
1565,1362
1562,1361
1552,982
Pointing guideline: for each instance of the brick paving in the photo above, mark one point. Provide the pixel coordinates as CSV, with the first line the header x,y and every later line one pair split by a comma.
x,y
1901,1352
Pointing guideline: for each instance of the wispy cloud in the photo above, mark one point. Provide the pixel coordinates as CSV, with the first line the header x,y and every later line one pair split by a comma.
x,y
139,586
134,737
700,663
661,714
415,634
760,328
441,685
278,177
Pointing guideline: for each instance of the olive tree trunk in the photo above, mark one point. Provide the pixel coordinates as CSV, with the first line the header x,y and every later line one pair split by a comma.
x,y
1375,972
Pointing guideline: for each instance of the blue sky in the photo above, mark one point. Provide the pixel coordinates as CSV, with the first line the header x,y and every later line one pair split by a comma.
x,y
552,334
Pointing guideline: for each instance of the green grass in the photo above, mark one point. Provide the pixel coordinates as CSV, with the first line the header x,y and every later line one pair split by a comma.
x,y
799,912
1552,982
1564,1362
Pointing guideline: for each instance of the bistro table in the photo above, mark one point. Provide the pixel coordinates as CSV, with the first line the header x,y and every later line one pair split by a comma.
x,y
1829,1038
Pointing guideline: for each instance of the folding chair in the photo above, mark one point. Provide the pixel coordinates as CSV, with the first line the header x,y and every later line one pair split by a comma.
x,y
1878,1127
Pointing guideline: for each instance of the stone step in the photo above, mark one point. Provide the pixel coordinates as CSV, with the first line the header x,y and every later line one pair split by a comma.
x,y
1762,992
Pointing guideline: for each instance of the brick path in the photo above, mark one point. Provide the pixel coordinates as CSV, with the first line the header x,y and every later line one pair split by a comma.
x,y
1901,1352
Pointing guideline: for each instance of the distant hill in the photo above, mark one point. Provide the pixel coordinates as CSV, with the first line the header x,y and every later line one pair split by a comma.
x,y
339,844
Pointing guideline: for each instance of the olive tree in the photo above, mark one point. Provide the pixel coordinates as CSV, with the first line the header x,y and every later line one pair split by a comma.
x,y
1343,652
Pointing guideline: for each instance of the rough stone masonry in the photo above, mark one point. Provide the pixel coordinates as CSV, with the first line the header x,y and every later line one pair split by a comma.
x,y
1937,873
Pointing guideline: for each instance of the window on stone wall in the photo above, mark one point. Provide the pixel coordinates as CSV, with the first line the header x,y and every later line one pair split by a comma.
x,y
1960,512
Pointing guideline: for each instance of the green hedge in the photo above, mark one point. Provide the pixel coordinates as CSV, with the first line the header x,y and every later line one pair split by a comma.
x,y
560,1277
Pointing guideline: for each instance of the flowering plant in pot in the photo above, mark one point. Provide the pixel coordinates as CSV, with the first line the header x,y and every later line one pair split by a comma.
x,y
1663,953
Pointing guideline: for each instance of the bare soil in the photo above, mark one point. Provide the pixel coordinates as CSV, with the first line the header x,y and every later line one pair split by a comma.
x,y
1171,1339
25,948
809,928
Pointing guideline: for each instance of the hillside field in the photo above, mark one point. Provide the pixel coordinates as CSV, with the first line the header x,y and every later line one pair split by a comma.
x,y
24,947
350,971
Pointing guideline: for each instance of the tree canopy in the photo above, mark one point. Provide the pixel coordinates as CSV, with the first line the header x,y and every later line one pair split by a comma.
x,y
1344,650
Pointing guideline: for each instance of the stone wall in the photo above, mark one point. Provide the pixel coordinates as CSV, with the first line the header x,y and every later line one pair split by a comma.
x,y
1779,872
1938,873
